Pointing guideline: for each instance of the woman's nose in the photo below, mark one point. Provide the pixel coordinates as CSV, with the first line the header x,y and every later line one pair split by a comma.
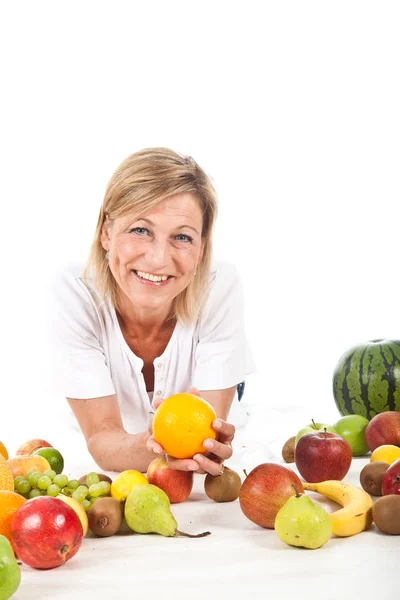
x,y
159,253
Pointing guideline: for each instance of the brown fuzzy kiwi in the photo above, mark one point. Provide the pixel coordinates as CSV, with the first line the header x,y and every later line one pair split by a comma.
x,y
386,514
224,487
102,477
371,477
105,516
288,450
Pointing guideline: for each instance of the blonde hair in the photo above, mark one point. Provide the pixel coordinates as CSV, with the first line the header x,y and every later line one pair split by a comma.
x,y
139,184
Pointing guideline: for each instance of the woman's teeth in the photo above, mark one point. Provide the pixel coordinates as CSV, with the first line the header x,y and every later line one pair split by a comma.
x,y
151,277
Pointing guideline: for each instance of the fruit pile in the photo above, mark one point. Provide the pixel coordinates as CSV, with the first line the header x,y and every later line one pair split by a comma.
x,y
37,497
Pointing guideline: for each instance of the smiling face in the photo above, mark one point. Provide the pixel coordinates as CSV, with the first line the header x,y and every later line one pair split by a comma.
x,y
153,258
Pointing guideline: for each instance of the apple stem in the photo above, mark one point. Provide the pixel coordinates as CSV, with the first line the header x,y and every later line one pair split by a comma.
x,y
64,549
296,490
245,472
190,535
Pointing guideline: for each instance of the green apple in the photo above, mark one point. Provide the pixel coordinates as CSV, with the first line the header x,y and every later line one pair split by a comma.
x,y
313,427
10,574
352,429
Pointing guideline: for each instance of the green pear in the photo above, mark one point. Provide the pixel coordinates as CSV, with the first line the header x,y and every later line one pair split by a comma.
x,y
302,522
148,510
10,574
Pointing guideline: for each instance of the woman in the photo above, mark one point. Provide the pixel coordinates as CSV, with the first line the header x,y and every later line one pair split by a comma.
x,y
151,315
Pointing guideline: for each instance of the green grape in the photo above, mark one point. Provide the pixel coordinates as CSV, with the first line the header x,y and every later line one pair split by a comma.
x,y
92,478
66,491
73,484
86,504
44,482
34,477
83,489
50,473
34,493
30,471
53,490
95,490
105,488
61,480
17,480
23,487
80,496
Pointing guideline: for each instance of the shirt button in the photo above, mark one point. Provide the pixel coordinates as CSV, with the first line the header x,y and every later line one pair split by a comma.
x,y
159,365
159,392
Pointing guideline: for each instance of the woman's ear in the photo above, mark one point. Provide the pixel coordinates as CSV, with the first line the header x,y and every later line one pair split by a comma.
x,y
105,233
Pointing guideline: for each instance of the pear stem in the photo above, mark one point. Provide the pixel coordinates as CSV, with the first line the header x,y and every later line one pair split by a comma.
x,y
296,490
314,425
190,535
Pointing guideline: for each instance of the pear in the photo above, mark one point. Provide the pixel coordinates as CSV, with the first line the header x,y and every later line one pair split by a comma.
x,y
148,510
10,574
302,522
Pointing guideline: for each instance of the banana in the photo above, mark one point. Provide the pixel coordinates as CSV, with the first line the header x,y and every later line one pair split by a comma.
x,y
356,514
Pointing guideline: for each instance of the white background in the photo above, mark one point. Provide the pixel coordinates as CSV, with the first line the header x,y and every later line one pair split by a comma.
x,y
291,107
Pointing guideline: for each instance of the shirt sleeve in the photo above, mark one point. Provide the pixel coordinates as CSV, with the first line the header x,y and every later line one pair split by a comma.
x,y
80,365
223,357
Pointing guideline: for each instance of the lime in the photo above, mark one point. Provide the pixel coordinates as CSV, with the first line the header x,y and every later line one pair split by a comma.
x,y
53,457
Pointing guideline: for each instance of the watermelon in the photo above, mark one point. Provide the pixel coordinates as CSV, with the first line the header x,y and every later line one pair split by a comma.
x,y
366,380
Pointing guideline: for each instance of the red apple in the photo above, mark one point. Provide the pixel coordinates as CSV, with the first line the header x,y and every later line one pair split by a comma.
x,y
391,479
29,447
382,429
46,532
265,490
322,455
176,484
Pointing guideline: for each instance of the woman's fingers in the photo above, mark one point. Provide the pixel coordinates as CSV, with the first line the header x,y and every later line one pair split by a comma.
x,y
183,464
194,391
225,431
153,446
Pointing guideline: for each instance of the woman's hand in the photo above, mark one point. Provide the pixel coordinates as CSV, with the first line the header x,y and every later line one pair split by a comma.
x,y
212,461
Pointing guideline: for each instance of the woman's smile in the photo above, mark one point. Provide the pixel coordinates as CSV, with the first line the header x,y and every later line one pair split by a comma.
x,y
152,280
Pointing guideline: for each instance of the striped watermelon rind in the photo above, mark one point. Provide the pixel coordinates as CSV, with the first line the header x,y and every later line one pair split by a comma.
x,y
366,380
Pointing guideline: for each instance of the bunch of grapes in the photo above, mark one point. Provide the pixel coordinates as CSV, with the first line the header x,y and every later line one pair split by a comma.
x,y
35,483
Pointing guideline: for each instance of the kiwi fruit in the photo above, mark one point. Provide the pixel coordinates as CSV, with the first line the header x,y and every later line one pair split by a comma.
x,y
224,487
105,516
288,450
371,477
102,477
386,514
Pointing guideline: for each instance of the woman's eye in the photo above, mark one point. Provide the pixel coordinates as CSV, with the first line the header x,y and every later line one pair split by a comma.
x,y
182,237
139,230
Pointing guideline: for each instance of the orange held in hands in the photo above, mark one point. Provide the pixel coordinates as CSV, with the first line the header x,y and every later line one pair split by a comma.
x,y
181,424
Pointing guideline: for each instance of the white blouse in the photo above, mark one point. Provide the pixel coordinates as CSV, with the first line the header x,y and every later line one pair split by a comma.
x,y
92,358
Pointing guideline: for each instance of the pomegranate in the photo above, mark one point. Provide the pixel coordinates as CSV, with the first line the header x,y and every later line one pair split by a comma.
x,y
46,532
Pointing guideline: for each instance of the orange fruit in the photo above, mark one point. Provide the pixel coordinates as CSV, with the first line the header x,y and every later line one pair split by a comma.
x,y
3,450
6,476
20,465
181,424
9,504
